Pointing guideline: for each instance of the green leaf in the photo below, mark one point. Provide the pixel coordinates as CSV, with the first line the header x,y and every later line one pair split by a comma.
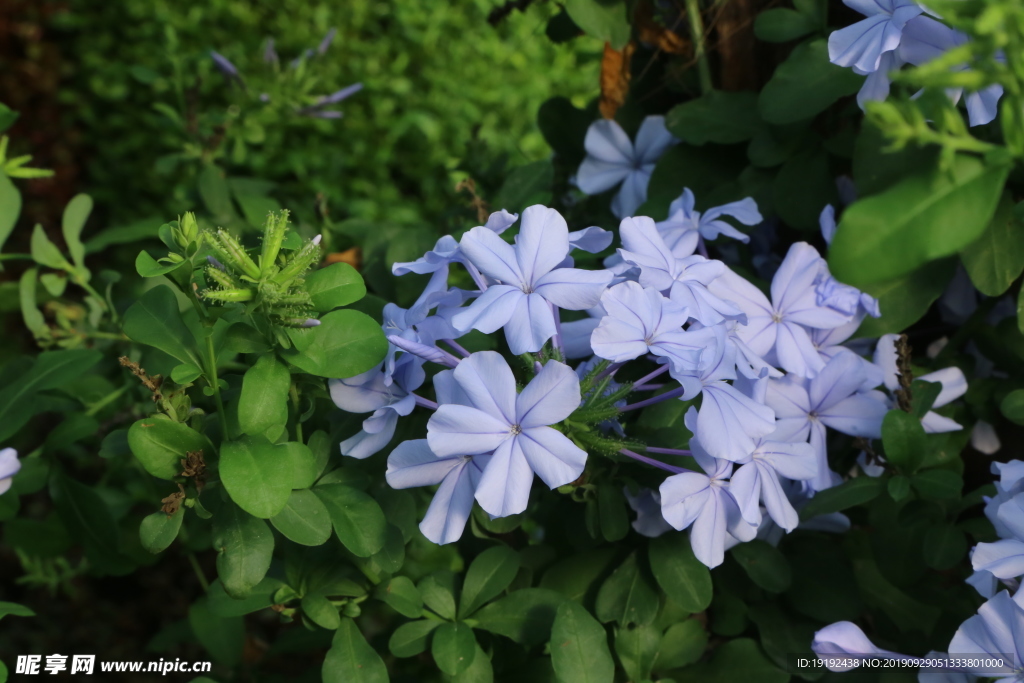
x,y
345,344
7,117
320,611
453,648
222,637
357,518
263,403
576,576
716,116
161,444
10,207
490,573
336,285
805,85
527,185
245,546
159,530
13,609
923,395
683,643
411,639
45,252
765,564
256,207
605,20
52,369
1012,406
257,474
154,320
737,660
147,266
75,214
524,615
213,189
438,592
898,487
480,671
931,214
402,596
27,297
944,546
938,484
904,300
135,231
782,25
679,573
803,187
352,659
906,612
244,338
904,440
637,648
261,597
856,491
579,647
626,596
564,127
611,509
87,518
186,373
996,259
303,519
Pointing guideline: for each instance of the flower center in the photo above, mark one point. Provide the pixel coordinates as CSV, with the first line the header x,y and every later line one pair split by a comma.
x,y
516,430
648,340
776,317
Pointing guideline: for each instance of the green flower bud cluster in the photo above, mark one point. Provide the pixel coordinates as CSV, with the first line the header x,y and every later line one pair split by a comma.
x,y
273,283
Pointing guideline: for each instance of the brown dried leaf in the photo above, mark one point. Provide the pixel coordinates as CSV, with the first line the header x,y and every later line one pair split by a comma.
x,y
353,257
614,78
655,34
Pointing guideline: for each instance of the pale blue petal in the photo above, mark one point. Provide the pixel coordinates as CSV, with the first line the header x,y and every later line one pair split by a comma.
x,y
492,255
595,176
858,415
841,377
549,398
500,221
983,106
576,337
728,422
463,430
363,393
632,194
552,455
745,487
451,506
796,352
370,441
707,536
606,141
488,383
491,311
573,289
504,488
412,463
652,139
542,243
676,491
532,323
592,239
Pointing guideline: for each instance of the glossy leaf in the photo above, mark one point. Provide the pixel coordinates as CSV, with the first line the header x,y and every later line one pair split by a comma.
x,y
805,84
345,344
579,647
10,207
161,444
222,637
626,597
257,474
244,546
75,214
904,440
263,403
490,573
524,615
996,259
605,20
357,518
852,492
159,530
679,573
156,321
351,658
683,643
453,647
401,594
336,285
411,638
303,519
765,565
716,116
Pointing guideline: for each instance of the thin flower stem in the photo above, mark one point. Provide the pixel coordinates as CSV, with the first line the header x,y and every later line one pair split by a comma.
x,y
215,383
647,387
199,571
652,462
557,341
610,370
105,401
424,402
669,451
655,399
646,378
455,345
697,33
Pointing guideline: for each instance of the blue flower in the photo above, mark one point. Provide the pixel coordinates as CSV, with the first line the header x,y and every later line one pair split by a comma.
x,y
997,630
412,463
369,392
224,65
647,506
9,466
447,251
685,280
640,321
805,407
952,379
704,502
531,283
842,641
758,480
684,224
612,159
862,45
487,416
780,325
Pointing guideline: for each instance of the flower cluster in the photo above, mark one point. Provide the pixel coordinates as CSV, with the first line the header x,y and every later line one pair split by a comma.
x,y
996,630
764,375
895,33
